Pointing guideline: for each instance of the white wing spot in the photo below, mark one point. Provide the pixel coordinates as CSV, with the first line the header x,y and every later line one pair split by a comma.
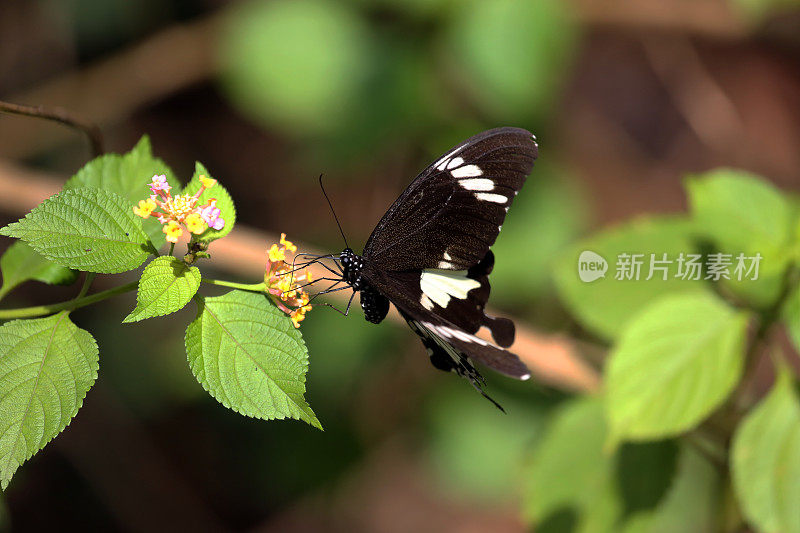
x,y
441,164
445,265
489,197
467,171
426,302
441,285
477,184
447,257
447,333
455,162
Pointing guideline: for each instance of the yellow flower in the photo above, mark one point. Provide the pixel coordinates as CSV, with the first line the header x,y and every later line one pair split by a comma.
x,y
145,207
173,231
298,315
195,223
276,254
289,245
206,181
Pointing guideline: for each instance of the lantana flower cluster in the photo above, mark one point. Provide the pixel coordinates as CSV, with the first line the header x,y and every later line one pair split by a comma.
x,y
284,285
181,210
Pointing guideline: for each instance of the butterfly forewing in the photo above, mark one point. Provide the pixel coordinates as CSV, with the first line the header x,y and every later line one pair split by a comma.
x,y
452,212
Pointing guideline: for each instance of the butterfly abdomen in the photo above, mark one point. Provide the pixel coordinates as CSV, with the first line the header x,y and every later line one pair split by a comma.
x,y
375,305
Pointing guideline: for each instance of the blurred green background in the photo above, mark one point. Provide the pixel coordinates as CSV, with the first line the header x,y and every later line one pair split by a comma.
x,y
624,97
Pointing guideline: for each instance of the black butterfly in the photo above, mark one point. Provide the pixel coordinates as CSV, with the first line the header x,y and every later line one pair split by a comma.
x,y
429,255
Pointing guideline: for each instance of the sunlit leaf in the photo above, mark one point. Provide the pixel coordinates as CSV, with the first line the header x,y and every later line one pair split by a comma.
x,y
127,175
46,367
88,229
223,201
673,365
606,304
744,214
166,286
247,354
766,460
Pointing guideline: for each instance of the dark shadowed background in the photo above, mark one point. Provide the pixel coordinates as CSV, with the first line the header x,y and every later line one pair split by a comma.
x,y
625,97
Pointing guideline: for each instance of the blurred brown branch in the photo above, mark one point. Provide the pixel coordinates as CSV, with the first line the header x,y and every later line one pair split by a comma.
x,y
62,116
553,359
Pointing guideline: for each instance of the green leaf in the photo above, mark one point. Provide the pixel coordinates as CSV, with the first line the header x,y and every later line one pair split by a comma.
x,y
742,213
247,354
644,472
690,505
673,365
166,286
87,229
570,469
129,176
512,56
46,367
791,316
224,203
607,304
319,57
766,460
21,263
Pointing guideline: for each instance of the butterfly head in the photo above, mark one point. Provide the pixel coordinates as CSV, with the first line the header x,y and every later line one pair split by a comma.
x,y
351,268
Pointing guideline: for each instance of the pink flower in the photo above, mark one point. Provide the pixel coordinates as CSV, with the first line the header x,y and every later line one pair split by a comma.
x,y
159,183
210,214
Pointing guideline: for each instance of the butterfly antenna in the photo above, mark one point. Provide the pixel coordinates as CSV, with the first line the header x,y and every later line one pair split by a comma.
x,y
325,194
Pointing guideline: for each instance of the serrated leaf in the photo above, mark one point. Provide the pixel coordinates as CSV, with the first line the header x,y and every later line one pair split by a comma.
x,y
743,213
247,354
766,460
224,203
87,229
673,365
570,469
46,367
607,304
21,263
166,286
127,175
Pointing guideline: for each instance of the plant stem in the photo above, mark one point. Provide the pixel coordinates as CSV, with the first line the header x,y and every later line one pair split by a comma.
x,y
252,287
86,284
41,310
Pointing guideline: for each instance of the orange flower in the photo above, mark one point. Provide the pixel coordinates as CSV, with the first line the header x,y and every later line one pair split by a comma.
x,y
285,287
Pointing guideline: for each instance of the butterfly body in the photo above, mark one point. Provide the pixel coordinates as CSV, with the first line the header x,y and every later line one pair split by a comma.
x,y
429,255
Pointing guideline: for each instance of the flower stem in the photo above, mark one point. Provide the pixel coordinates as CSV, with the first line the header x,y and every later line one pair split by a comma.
x,y
86,284
252,287
41,310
